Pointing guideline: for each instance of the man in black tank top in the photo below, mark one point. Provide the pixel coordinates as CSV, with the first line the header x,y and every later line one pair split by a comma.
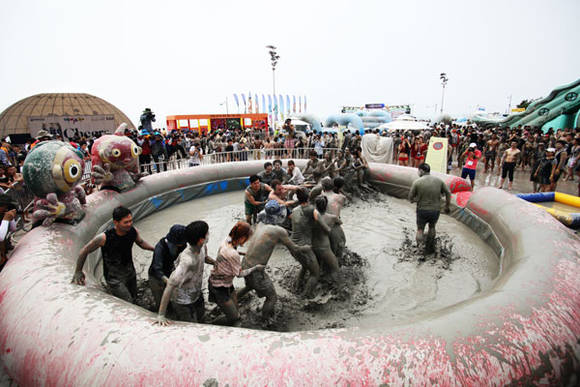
x,y
116,247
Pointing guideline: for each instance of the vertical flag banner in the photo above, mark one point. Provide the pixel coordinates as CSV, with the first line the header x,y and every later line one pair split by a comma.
x,y
294,104
288,103
269,103
237,101
250,103
299,104
263,104
244,99
257,108
304,104
281,99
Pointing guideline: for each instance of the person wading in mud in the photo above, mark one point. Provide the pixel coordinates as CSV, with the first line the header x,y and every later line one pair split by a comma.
x,y
427,191
265,237
116,244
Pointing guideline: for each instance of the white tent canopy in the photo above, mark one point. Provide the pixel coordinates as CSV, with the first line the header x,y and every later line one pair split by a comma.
x,y
404,122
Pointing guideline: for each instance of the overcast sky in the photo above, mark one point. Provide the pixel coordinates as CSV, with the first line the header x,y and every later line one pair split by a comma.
x,y
186,57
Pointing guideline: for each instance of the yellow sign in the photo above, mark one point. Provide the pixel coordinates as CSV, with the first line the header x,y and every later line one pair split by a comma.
x,y
518,110
437,154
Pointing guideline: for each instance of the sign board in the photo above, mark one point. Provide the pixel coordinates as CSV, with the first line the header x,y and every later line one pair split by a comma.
x,y
437,154
374,106
397,110
518,110
70,126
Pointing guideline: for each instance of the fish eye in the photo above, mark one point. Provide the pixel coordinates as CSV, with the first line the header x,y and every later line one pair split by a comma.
x,y
72,171
135,151
116,152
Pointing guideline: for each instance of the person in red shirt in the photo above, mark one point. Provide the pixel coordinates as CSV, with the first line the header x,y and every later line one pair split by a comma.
x,y
471,156
418,151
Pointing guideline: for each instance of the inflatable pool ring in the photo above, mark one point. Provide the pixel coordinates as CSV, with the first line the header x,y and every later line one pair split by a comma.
x,y
115,159
524,330
53,171
568,218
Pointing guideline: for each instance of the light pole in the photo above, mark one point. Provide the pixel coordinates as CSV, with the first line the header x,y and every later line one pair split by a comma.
x,y
444,80
226,103
274,59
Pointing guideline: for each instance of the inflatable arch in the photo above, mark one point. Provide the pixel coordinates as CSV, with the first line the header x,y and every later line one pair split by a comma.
x,y
311,119
525,329
345,119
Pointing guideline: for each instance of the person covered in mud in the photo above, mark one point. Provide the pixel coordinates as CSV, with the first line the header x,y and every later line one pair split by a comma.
x,y
184,286
336,200
360,166
116,247
312,170
267,175
427,191
282,193
166,252
321,241
279,172
328,166
227,266
266,235
303,218
255,197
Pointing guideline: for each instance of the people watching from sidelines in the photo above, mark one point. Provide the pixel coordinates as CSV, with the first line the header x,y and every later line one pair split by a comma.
x,y
509,161
471,156
116,247
427,191
184,286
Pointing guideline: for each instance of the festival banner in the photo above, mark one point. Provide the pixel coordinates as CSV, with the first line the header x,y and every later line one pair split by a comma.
x,y
244,99
288,103
70,126
304,104
249,102
299,104
294,104
237,101
437,154
269,103
281,99
257,108
263,103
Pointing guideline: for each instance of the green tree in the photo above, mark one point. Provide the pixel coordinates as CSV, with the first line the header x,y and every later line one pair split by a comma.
x,y
525,103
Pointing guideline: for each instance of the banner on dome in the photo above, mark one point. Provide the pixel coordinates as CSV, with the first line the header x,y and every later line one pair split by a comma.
x,y
70,126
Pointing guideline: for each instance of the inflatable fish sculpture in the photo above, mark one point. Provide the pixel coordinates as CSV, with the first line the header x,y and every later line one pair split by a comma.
x,y
115,161
53,171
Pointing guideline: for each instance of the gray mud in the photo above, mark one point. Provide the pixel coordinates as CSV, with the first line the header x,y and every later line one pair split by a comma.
x,y
386,278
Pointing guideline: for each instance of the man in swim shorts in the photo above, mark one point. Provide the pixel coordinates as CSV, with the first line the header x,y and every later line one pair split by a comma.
x,y
256,195
427,191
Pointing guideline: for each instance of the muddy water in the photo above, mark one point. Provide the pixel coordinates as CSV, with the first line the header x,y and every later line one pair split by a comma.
x,y
386,278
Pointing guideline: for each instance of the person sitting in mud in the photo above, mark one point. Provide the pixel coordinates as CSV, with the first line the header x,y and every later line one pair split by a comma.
x,y
311,171
427,191
267,175
267,234
116,247
339,163
295,177
185,282
166,252
226,267
360,166
320,238
255,197
303,218
328,166
279,172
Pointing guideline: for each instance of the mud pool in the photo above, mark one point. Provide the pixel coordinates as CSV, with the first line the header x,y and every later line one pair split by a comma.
x,y
387,280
